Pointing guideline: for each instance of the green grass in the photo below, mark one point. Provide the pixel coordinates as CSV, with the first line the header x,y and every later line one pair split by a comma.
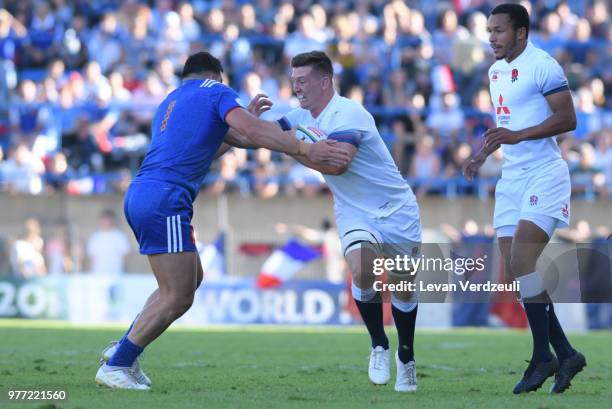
x,y
257,367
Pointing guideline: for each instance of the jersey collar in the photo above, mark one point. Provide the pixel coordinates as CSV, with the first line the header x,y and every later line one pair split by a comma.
x,y
528,48
331,102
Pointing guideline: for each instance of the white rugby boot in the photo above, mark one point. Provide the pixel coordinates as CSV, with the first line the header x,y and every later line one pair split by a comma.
x,y
108,352
118,378
378,370
406,380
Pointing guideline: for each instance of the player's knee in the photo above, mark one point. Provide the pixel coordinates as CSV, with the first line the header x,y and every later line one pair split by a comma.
x,y
178,304
360,250
199,278
361,264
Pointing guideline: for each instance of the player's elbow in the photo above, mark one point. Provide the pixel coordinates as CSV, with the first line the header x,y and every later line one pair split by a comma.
x,y
569,120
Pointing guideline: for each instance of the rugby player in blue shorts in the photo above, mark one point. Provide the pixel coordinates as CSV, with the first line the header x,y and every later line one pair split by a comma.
x,y
188,131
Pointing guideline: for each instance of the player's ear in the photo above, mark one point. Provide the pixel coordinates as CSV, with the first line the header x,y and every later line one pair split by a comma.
x,y
325,82
521,33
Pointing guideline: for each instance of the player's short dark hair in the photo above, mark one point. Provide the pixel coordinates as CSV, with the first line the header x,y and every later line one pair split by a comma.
x,y
202,62
318,59
517,13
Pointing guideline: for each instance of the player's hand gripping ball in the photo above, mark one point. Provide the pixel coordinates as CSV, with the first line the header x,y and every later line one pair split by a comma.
x,y
309,134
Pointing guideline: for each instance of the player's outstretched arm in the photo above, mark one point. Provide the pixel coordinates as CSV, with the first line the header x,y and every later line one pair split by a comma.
x,y
264,134
338,169
259,104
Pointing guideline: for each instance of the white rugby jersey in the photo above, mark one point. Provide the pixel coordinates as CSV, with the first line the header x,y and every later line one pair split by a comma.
x,y
372,184
518,91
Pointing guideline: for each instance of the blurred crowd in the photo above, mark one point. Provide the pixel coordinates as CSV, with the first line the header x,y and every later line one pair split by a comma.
x,y
60,248
80,80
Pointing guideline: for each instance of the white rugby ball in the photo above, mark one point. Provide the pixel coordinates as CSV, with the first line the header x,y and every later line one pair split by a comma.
x,y
309,134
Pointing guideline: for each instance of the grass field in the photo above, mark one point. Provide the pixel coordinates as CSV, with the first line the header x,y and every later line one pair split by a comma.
x,y
257,367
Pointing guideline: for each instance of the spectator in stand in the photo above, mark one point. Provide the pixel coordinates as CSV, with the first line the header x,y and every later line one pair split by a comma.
x,y
589,116
191,28
107,42
28,116
548,37
598,14
108,247
449,31
305,38
582,175
84,155
140,45
603,164
266,13
44,37
145,100
445,124
165,71
426,166
479,119
22,171
63,253
303,181
120,94
103,116
265,183
73,48
172,44
56,70
226,179
58,174
12,34
26,253
578,47
395,93
569,20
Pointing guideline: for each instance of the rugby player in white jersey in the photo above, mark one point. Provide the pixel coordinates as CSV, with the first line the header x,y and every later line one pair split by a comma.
x,y
532,198
376,211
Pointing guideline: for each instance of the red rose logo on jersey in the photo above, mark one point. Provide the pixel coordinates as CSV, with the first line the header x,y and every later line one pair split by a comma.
x,y
514,75
565,211
533,200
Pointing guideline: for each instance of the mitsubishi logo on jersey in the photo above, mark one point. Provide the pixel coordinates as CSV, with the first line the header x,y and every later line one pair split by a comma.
x,y
501,106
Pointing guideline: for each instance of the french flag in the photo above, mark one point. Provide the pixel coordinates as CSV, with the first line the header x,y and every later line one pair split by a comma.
x,y
283,263
213,259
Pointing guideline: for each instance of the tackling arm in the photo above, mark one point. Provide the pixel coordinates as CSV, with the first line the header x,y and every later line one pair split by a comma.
x,y
263,134
349,149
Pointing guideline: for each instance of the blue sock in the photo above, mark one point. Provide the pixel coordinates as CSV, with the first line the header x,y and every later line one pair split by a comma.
x,y
129,329
372,315
537,315
558,340
126,354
